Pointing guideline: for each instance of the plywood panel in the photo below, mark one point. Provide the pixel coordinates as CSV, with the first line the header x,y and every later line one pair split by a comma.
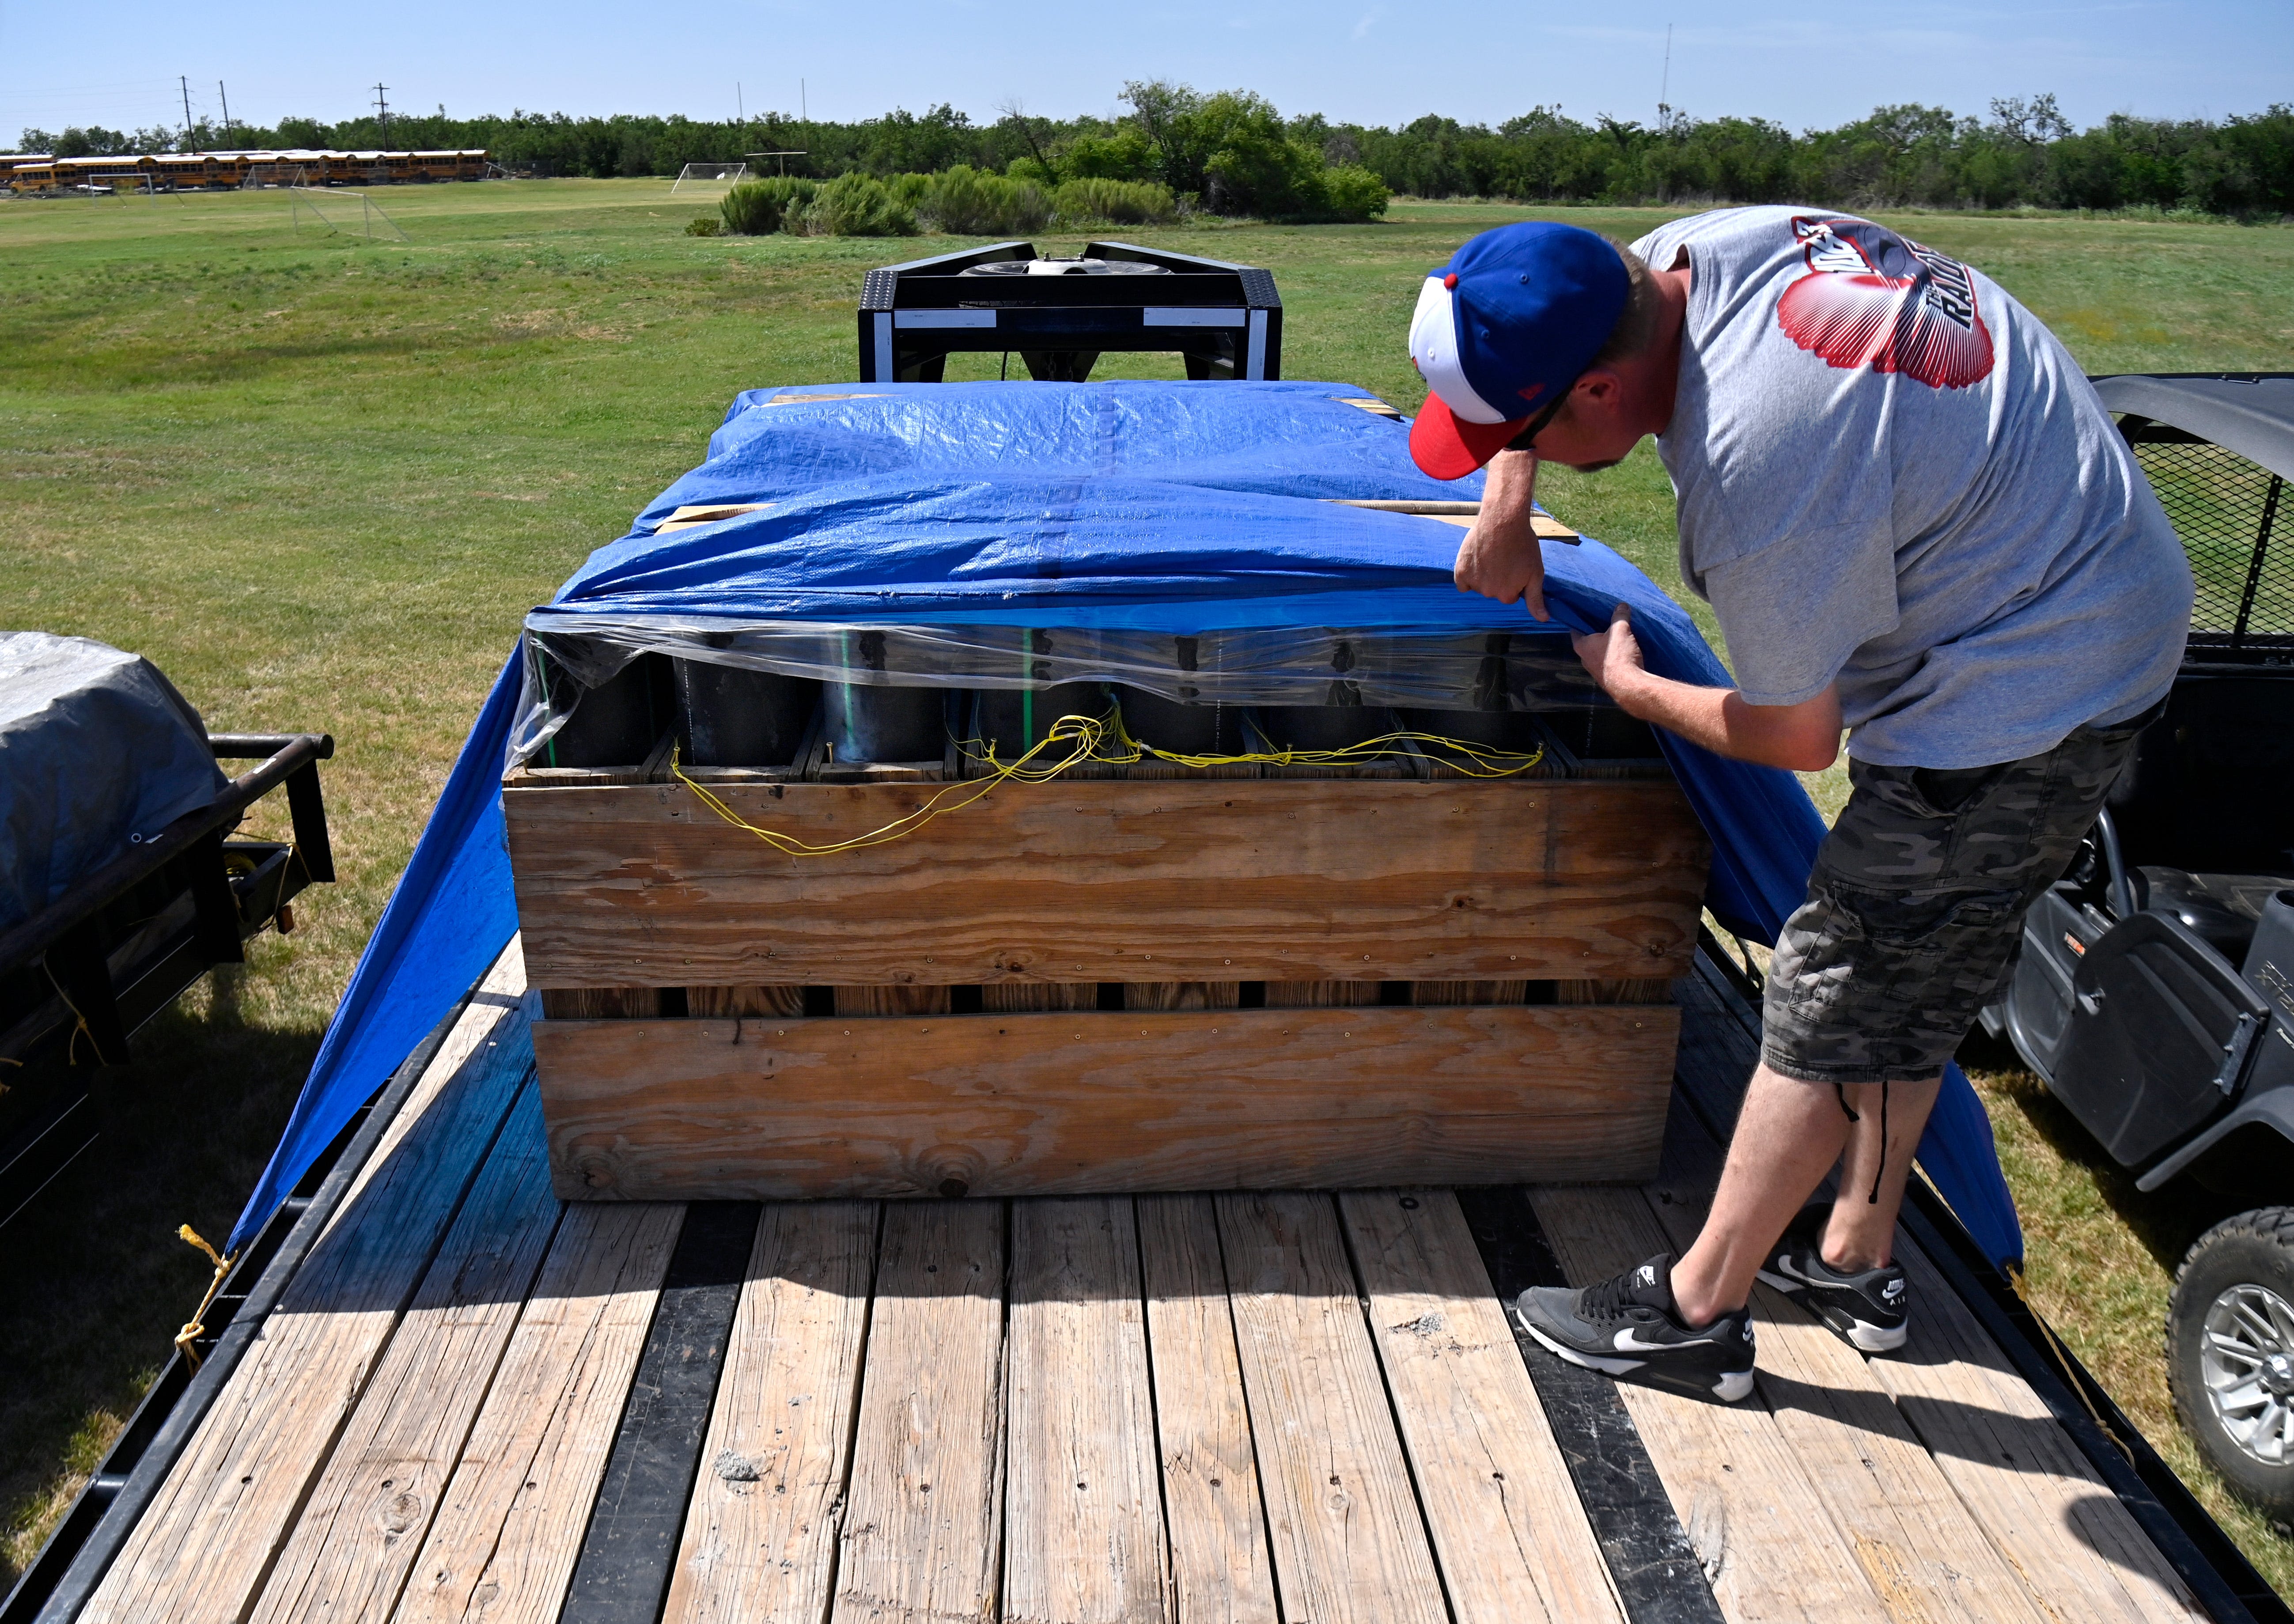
x,y
760,1531
1100,1100
1348,1544
501,1548
1083,1519
1513,1541
1188,879
923,1523
1221,1571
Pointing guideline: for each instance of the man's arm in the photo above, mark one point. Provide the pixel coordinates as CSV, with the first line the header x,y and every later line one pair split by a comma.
x,y
1500,556
1804,737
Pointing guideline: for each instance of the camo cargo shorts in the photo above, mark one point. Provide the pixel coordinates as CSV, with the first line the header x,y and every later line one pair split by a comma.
x,y
1915,909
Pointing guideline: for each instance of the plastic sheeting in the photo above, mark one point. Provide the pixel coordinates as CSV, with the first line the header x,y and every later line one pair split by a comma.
x,y
97,753
957,513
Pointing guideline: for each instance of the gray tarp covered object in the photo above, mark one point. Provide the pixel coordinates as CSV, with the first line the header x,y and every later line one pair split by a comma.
x,y
97,753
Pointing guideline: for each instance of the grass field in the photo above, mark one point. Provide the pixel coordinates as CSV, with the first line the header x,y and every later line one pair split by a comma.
x,y
319,482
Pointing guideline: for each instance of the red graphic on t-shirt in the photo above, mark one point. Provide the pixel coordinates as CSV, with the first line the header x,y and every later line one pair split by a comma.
x,y
1848,310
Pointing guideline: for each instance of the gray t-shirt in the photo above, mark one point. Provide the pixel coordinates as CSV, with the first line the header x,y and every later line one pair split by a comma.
x,y
1891,475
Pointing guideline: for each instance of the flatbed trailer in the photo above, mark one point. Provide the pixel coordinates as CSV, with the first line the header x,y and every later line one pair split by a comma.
x,y
431,1390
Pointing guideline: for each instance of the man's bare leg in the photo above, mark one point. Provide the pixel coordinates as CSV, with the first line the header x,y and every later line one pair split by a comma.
x,y
1861,1233
1789,1136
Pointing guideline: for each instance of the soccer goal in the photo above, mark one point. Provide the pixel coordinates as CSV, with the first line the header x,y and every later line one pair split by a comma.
x,y
709,175
332,211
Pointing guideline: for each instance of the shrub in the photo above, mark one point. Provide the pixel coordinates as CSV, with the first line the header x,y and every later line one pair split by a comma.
x,y
1351,192
970,202
1117,202
856,205
750,210
704,225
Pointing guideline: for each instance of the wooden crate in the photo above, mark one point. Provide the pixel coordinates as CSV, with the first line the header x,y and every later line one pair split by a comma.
x,y
1104,985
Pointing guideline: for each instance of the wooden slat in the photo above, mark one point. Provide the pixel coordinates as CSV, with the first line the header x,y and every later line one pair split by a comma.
x,y
1346,1533
2025,1483
1182,995
1757,1521
2022,1479
891,1000
355,1541
729,1001
1432,993
1924,1556
1321,994
1189,880
1014,997
760,1532
202,1547
1083,1517
1513,1541
924,1517
607,1004
510,1523
1094,1101
1220,1568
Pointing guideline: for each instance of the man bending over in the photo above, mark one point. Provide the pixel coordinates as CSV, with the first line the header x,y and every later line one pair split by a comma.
x,y
1914,521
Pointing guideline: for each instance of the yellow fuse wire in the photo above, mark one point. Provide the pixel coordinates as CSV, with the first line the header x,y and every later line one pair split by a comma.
x,y
1103,740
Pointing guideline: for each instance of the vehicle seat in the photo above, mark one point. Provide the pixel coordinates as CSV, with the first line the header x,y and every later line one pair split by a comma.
x,y
2221,909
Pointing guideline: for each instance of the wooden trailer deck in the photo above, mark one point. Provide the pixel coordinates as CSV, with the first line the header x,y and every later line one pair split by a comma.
x,y
476,1402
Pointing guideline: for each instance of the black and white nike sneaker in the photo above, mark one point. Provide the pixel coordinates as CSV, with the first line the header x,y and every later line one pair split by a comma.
x,y
1868,1307
1629,1326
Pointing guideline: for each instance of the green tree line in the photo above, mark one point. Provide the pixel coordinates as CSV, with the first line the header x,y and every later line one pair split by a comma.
x,y
1233,152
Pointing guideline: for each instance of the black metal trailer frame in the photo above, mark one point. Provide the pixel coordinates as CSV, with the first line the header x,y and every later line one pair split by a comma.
x,y
81,976
1225,320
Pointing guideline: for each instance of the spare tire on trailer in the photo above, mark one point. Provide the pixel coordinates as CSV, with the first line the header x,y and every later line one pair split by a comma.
x,y
2230,1353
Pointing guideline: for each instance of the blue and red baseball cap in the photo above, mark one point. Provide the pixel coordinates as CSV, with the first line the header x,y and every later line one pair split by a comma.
x,y
1502,331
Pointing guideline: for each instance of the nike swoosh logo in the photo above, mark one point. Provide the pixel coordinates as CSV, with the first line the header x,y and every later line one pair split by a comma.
x,y
1630,1341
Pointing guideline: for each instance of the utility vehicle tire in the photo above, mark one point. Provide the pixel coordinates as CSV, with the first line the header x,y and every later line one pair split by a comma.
x,y
2230,1353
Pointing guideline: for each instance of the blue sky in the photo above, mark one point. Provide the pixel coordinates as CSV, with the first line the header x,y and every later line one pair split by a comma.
x,y
1378,61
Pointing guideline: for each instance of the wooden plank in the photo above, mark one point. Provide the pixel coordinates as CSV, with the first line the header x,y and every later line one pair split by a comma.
x,y
203,1546
501,1547
1084,1539
1513,1542
1346,1533
1658,1576
890,1000
923,1529
1221,1571
1094,1101
2024,1480
760,1533
1321,994
1924,1555
607,1004
1185,879
1991,1495
1758,1523
1434,993
355,1541
1014,997
628,1550
1182,995
729,1001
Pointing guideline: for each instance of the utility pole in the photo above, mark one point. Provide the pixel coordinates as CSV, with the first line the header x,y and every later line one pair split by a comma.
x,y
740,107
1664,85
186,84
383,105
224,96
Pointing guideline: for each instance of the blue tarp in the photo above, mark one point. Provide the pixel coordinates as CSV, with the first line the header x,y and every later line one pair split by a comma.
x,y
1176,507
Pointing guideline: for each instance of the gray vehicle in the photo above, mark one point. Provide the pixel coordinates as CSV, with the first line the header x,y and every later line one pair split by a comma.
x,y
2155,992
